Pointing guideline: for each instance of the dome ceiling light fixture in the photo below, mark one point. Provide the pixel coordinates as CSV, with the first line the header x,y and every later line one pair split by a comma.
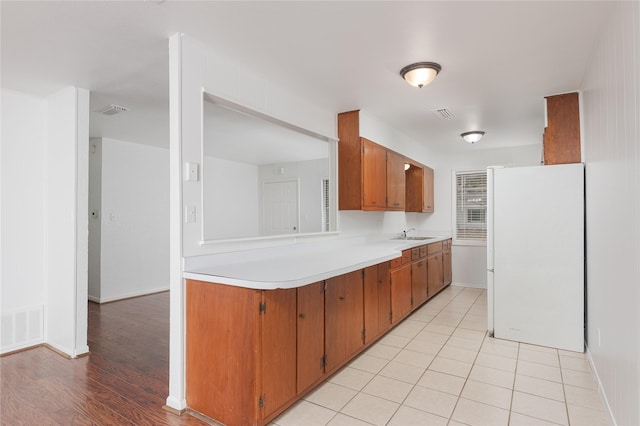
x,y
421,73
473,136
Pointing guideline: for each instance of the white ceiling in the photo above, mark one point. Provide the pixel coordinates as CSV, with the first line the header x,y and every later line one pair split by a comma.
x,y
499,59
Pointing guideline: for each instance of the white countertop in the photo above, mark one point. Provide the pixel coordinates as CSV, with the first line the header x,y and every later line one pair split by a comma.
x,y
299,264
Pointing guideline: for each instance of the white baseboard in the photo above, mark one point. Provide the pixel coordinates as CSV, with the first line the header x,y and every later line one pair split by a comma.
x,y
128,295
456,284
603,395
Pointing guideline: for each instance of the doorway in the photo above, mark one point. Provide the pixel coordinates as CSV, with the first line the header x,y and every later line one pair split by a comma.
x,y
280,207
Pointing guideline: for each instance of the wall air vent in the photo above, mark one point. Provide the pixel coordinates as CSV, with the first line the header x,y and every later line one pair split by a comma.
x,y
443,114
113,110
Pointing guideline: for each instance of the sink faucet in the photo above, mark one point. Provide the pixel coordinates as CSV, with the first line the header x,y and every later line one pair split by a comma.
x,y
403,234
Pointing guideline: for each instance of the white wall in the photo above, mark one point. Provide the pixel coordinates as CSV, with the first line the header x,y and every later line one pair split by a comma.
x,y
611,122
192,67
134,235
23,171
44,220
231,208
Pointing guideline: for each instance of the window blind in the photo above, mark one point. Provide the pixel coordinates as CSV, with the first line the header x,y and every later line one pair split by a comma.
x,y
325,204
471,205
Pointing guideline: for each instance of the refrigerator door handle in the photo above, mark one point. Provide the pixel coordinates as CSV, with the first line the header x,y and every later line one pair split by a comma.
x,y
490,270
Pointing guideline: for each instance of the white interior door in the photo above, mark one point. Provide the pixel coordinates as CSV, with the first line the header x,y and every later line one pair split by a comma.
x,y
280,207
539,255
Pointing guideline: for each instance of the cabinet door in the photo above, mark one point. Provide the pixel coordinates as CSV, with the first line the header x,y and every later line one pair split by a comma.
x,y
222,323
278,344
374,172
419,282
427,199
344,318
446,263
371,297
310,334
434,273
384,297
400,293
395,181
377,301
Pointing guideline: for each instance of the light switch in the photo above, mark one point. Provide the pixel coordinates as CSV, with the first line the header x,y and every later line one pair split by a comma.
x,y
191,172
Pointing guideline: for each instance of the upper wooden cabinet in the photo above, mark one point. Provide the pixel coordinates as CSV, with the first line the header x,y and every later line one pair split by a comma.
x,y
395,181
374,181
562,135
370,176
419,188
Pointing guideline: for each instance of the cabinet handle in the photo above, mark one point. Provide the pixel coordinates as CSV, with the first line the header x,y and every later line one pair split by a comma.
x,y
303,316
341,297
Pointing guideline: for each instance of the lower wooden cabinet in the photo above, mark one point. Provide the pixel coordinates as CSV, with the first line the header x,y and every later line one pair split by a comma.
x,y
343,318
277,350
250,353
310,358
377,301
401,289
240,351
446,262
435,278
419,281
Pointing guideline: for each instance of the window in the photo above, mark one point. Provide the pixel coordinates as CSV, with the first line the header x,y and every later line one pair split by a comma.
x,y
325,205
471,207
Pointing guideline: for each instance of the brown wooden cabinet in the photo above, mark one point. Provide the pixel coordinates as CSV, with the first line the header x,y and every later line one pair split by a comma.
x,y
419,188
419,281
374,181
395,181
446,262
250,353
310,357
278,350
250,337
435,278
372,177
344,318
377,301
561,138
400,287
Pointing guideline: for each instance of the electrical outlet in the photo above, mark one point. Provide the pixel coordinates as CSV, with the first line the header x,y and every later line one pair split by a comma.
x,y
189,214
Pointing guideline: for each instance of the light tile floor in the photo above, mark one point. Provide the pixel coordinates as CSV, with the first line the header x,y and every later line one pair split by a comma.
x,y
439,367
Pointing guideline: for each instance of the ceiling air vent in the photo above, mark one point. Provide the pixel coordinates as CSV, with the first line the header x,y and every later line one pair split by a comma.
x,y
443,114
113,109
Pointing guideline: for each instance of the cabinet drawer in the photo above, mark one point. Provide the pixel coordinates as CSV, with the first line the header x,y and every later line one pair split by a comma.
x,y
415,254
396,263
434,248
403,260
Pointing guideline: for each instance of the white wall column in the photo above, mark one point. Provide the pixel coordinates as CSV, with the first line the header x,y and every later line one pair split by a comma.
x,y
66,223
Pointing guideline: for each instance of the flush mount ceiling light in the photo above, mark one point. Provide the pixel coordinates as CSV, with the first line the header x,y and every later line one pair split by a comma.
x,y
420,74
472,137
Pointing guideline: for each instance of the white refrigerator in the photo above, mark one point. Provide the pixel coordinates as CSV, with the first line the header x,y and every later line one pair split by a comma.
x,y
535,255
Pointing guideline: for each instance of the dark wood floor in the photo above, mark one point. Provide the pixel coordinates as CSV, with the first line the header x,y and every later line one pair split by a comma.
x,y
123,381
